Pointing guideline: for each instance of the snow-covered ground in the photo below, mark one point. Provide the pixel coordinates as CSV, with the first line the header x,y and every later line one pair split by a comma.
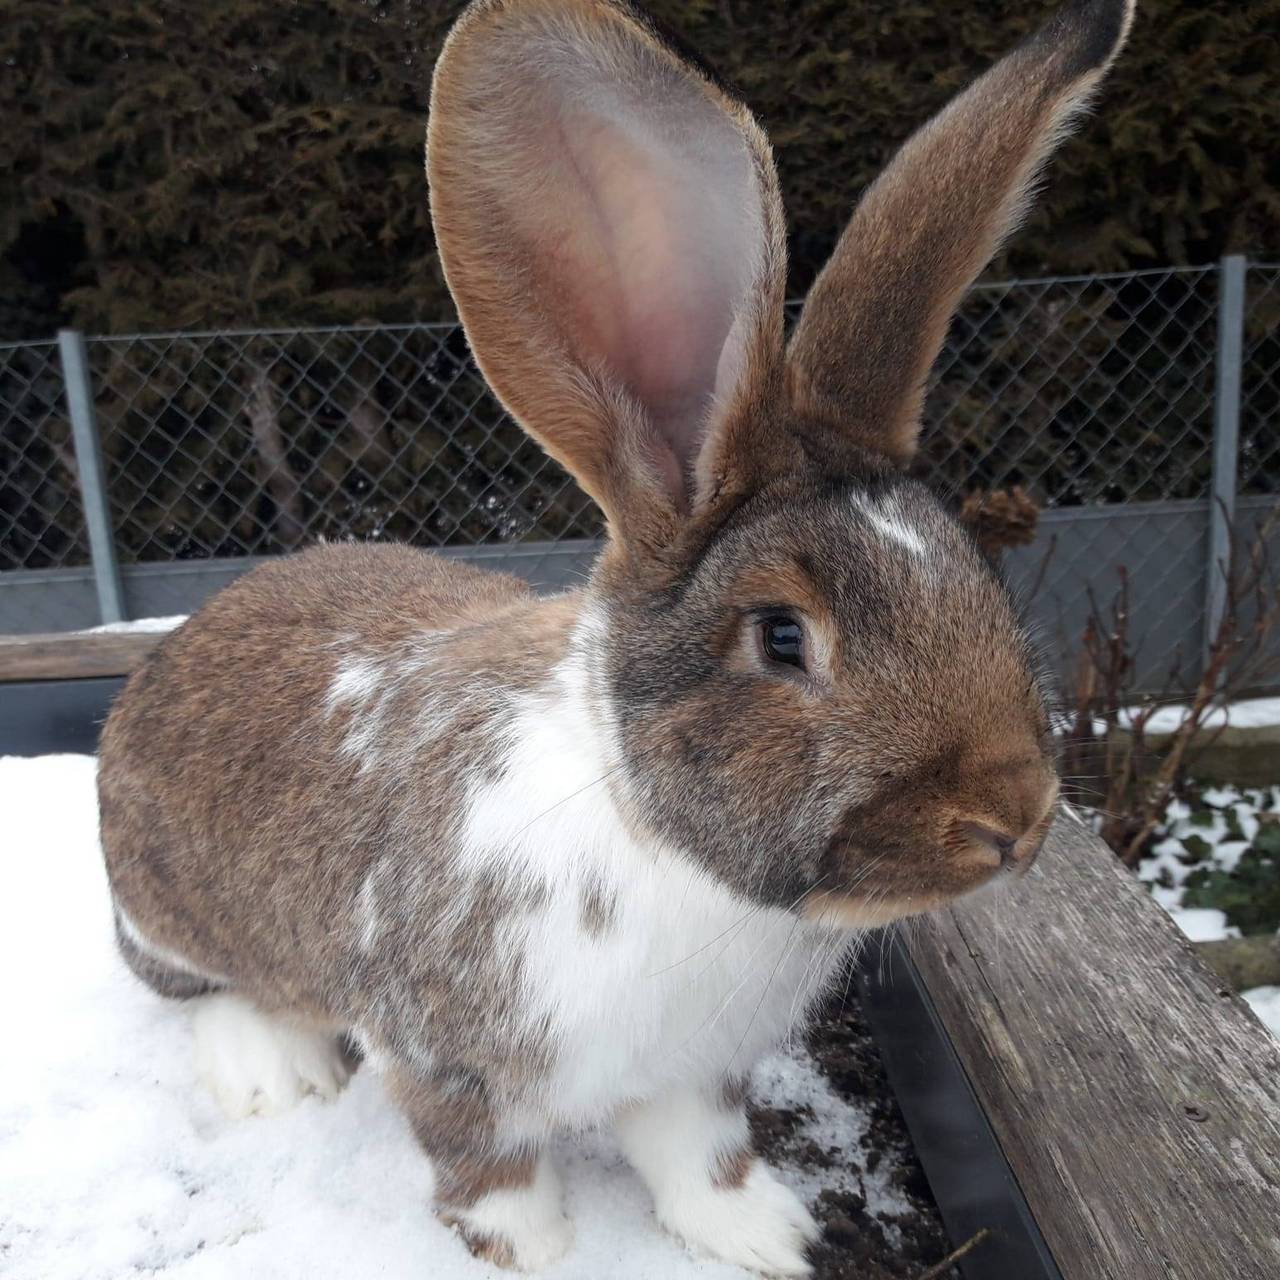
x,y
114,1161
1265,1002
1245,713
1214,838
1248,713
143,626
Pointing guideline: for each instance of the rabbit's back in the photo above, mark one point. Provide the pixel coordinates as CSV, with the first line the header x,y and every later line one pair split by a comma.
x,y
238,816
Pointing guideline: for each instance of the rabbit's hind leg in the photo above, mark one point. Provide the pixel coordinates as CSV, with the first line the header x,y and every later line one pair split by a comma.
x,y
255,1062
251,1061
164,971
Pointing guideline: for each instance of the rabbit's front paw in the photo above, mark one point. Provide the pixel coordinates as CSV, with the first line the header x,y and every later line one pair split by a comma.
x,y
522,1228
760,1223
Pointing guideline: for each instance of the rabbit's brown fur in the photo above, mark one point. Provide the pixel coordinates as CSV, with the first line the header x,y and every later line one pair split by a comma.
x,y
252,680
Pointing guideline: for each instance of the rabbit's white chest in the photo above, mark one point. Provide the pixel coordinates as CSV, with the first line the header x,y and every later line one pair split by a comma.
x,y
691,985
645,969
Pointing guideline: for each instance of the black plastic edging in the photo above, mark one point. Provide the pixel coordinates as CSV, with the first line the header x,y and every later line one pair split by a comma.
x,y
971,1180
967,1171
42,717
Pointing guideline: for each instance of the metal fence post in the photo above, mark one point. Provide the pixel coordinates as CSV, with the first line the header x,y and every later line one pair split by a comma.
x,y
1226,438
93,485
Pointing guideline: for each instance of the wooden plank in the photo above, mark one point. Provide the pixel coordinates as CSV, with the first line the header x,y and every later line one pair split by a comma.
x,y
1136,1099
74,655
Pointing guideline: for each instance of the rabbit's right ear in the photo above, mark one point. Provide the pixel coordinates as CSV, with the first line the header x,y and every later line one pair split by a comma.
x,y
610,228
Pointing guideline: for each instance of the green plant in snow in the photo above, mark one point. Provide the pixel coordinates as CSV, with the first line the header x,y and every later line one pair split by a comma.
x,y
1249,895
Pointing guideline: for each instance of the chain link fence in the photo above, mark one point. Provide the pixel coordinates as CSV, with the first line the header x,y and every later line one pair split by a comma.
x,y
1101,396
232,444
41,520
1259,467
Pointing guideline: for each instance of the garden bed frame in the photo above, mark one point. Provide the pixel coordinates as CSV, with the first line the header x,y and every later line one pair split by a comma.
x,y
1074,1078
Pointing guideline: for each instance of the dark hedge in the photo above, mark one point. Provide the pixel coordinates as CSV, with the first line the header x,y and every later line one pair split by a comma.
x,y
260,161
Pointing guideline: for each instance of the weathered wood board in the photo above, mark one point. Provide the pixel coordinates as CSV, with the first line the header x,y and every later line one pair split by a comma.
x,y
73,655
1136,1099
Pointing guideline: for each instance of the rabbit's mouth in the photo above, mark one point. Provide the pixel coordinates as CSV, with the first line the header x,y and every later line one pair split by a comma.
x,y
872,906
870,910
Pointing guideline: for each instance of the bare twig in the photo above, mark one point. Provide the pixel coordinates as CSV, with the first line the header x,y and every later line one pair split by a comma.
x,y
273,462
1137,791
940,1269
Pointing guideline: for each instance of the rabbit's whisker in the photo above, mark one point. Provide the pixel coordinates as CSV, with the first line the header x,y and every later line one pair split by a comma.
x,y
714,1016
773,973
737,924
573,795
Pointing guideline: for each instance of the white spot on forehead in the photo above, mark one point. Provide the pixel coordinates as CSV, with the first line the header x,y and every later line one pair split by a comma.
x,y
888,519
897,530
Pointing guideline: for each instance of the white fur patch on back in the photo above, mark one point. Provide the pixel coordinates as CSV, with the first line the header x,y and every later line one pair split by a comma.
x,y
375,689
356,681
367,913
355,685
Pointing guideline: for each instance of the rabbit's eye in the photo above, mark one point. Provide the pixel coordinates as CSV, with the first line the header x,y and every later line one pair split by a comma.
x,y
782,639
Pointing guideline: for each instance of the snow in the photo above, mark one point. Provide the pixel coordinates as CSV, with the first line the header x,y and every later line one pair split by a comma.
x,y
1170,862
1252,713
114,1161
143,626
1248,713
793,1081
1219,797
1247,817
1265,1002
1165,863
1227,853
1203,924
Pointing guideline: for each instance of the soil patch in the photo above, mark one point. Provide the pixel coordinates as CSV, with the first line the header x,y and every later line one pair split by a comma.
x,y
867,1235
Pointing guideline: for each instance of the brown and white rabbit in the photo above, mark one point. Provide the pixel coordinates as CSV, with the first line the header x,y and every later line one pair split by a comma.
x,y
581,860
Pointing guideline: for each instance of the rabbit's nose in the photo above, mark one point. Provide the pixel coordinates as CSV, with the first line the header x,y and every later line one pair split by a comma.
x,y
1000,842
1009,824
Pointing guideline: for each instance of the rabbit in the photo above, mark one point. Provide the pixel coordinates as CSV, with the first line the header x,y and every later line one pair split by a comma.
x,y
580,860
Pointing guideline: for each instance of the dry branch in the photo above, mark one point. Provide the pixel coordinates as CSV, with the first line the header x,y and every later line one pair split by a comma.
x,y
1110,723
274,471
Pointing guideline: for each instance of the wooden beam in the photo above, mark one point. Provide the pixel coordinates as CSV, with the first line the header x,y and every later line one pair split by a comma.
x,y
1136,1099
74,655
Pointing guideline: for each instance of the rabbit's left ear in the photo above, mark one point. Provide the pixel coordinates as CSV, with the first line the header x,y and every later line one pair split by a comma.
x,y
876,317
609,224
